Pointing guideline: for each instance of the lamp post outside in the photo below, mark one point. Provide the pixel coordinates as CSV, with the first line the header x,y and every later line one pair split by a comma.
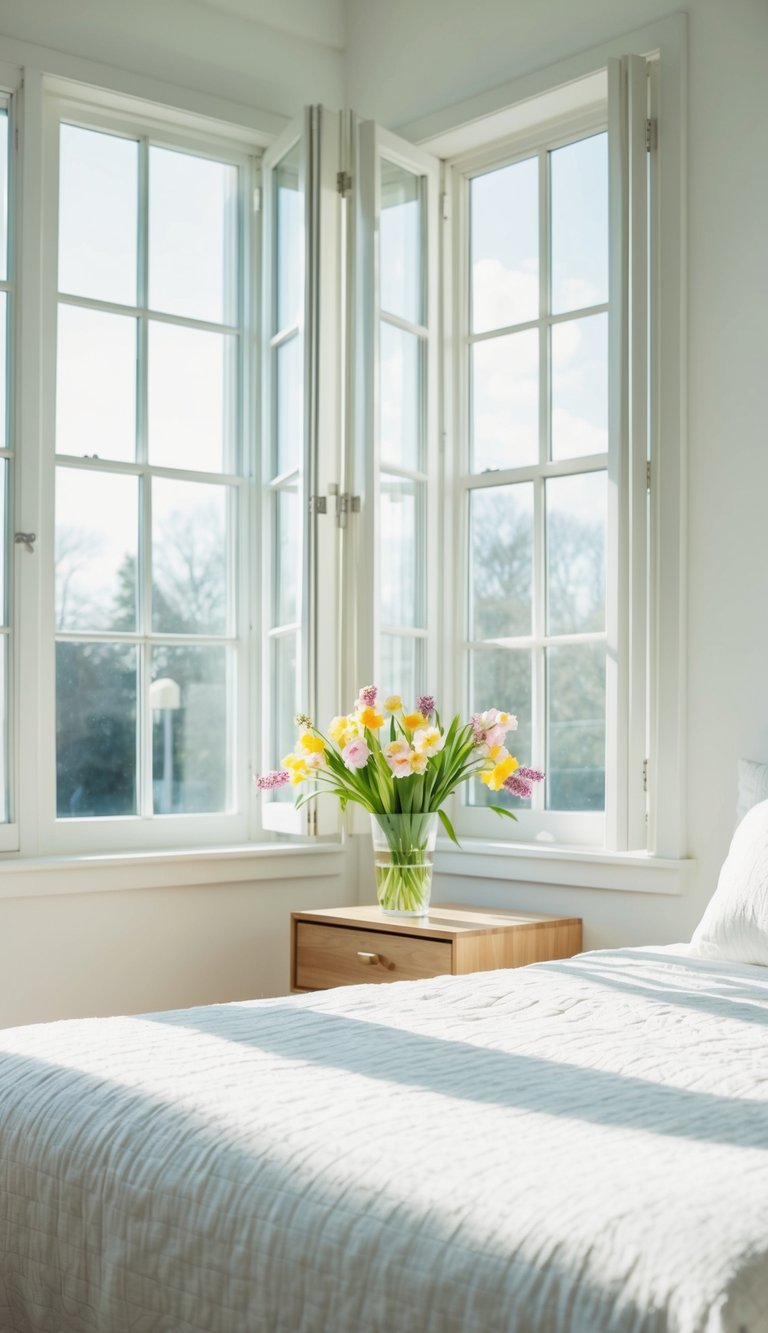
x,y
165,694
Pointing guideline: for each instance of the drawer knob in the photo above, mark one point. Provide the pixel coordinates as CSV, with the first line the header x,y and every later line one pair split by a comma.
x,y
370,958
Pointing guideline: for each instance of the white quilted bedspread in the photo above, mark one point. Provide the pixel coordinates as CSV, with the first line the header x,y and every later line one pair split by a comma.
x,y
576,1146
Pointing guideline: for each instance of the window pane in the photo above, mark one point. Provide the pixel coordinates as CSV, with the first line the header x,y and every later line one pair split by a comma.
x,y
189,557
96,384
400,242
401,668
501,561
95,729
98,212
286,587
190,729
400,575
289,202
504,254
3,194
576,715
289,394
501,678
96,550
579,186
580,387
3,371
400,396
576,517
191,397
192,236
505,401
283,721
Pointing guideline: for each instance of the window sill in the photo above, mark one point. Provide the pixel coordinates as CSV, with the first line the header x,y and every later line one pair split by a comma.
x,y
572,867
29,877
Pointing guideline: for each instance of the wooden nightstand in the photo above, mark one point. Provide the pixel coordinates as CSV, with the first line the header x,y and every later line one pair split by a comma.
x,y
345,946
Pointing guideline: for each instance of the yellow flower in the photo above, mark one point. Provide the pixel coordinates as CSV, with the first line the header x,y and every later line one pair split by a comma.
x,y
311,744
297,767
415,720
343,730
393,704
368,717
418,761
497,776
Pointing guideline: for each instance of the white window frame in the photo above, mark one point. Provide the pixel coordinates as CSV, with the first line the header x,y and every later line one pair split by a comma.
x,y
623,858
10,85
566,827
47,104
371,146
319,472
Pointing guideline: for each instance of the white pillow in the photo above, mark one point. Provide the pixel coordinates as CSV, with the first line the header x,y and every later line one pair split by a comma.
x,y
753,786
734,926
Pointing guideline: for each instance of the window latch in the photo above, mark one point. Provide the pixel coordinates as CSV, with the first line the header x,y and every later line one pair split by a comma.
x,y
27,539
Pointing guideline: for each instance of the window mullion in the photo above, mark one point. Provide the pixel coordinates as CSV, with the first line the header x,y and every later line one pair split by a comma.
x,y
144,609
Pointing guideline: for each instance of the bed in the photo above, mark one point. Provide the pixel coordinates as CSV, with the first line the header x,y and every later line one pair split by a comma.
x,y
578,1146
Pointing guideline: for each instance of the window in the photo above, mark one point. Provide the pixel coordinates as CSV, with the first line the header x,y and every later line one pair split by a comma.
x,y
534,487
551,511
228,356
153,451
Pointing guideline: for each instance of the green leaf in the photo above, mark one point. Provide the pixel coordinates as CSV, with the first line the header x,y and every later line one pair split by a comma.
x,y
448,826
500,810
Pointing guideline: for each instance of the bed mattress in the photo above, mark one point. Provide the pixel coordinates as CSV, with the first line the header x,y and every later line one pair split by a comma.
x,y
577,1146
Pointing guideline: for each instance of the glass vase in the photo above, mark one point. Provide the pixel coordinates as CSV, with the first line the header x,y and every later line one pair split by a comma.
x,y
403,853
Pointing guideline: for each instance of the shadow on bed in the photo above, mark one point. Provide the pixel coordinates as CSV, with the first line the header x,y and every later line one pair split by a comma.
x,y
465,1071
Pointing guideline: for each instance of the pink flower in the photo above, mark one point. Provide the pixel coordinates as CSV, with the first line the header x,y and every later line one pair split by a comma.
x,y
367,696
426,704
277,777
520,783
495,736
356,754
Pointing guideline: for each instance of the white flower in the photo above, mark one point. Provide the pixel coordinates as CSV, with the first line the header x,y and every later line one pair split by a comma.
x,y
398,756
428,741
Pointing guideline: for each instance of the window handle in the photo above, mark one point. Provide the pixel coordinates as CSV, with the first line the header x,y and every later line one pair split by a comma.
x,y
27,539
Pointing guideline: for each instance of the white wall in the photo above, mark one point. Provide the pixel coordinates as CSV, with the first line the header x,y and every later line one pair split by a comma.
x,y
133,950
407,60
279,64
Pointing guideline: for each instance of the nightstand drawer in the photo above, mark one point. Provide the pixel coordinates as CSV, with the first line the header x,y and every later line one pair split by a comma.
x,y
338,956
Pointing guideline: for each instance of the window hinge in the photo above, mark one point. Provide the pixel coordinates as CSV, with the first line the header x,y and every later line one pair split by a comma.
x,y
346,504
647,476
318,504
343,183
257,199
645,775
651,135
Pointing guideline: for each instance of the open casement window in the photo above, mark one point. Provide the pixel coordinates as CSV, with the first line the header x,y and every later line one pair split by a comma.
x,y
551,327
149,257
394,376
301,430
8,831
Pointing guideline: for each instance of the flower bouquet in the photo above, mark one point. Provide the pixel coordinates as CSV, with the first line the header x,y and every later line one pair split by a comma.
x,y
401,766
